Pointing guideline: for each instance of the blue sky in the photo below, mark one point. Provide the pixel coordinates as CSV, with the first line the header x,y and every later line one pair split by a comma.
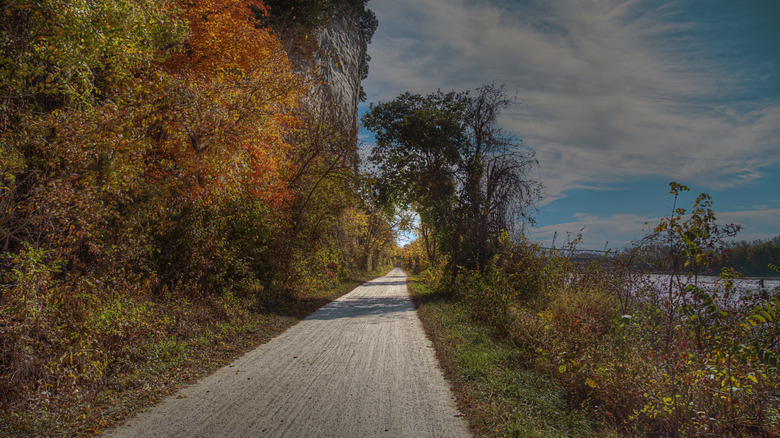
x,y
616,97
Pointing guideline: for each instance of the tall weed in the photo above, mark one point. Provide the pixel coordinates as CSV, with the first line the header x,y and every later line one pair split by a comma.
x,y
692,362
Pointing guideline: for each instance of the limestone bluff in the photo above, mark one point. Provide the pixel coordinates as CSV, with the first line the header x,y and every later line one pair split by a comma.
x,y
328,40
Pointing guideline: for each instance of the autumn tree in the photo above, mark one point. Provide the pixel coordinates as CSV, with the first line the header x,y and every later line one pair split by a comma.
x,y
381,225
156,154
70,149
138,152
220,130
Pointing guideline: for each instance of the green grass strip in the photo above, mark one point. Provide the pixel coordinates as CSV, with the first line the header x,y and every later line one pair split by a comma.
x,y
498,388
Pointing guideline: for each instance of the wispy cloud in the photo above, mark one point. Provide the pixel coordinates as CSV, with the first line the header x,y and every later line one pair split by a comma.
x,y
619,230
611,90
614,231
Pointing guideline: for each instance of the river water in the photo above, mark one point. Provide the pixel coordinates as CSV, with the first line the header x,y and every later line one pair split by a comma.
x,y
745,290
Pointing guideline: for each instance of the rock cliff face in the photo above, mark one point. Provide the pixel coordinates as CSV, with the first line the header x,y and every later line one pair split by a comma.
x,y
340,59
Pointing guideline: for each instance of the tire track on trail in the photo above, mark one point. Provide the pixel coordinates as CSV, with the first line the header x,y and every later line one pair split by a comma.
x,y
360,366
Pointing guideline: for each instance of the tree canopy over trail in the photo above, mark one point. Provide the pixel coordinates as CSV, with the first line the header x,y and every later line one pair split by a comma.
x,y
445,157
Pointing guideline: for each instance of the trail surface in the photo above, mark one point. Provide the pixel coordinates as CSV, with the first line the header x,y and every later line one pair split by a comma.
x,y
360,366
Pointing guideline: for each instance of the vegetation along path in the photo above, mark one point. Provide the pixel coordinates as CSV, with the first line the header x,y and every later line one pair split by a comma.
x,y
360,366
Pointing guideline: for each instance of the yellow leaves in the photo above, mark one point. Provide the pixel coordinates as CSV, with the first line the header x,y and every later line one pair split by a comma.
x,y
229,108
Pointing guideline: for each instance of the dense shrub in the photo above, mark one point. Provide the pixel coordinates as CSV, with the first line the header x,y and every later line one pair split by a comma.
x,y
679,360
163,172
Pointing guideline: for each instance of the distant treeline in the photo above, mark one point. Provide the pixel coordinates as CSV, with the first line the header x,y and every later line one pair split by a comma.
x,y
751,259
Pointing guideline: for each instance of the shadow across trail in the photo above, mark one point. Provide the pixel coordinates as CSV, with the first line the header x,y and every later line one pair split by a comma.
x,y
384,283
376,299
363,306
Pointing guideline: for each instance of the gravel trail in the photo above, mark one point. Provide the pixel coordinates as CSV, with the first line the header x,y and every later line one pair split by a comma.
x,y
360,366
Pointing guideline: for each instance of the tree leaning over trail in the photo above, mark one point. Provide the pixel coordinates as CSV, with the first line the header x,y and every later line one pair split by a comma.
x,y
417,153
445,157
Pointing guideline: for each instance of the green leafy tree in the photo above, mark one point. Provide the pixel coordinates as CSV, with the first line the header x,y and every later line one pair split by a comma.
x,y
304,15
444,156
420,145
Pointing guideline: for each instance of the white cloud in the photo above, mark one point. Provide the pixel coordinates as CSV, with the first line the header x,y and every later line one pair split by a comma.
x,y
602,101
619,230
753,222
614,231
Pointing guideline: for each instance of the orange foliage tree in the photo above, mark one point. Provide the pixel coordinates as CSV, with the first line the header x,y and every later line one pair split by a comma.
x,y
220,140
230,94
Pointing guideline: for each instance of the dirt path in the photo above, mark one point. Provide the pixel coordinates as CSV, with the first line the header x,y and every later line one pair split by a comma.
x,y
360,366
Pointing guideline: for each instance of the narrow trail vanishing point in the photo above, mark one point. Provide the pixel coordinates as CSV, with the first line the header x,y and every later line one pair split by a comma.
x,y
360,366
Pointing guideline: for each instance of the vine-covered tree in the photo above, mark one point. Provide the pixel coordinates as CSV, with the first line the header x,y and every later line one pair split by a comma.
x,y
497,185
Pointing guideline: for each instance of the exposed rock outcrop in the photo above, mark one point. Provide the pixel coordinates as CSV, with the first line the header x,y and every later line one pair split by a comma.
x,y
339,60
334,54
